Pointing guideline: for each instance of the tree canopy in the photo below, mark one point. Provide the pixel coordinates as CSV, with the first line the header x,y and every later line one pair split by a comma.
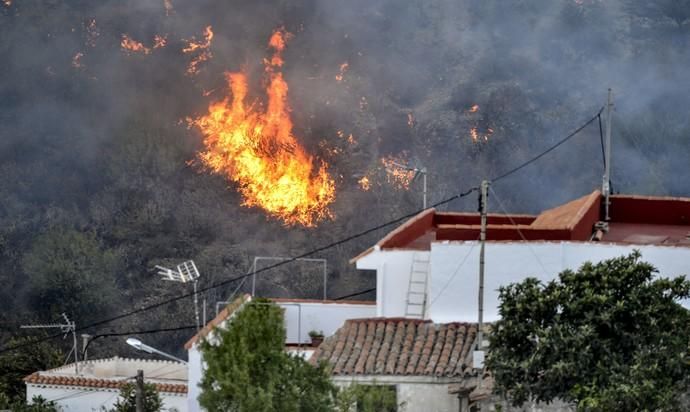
x,y
249,370
127,401
609,336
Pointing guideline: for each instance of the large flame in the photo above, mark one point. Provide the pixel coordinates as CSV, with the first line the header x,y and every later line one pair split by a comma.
x,y
256,149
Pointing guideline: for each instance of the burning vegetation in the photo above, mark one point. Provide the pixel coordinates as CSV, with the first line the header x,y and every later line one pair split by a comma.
x,y
199,50
254,146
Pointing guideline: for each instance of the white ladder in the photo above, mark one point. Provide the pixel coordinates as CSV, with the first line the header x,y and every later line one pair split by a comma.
x,y
416,291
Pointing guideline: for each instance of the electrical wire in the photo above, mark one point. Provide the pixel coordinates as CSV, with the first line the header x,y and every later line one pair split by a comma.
x,y
361,292
313,251
529,246
549,150
228,281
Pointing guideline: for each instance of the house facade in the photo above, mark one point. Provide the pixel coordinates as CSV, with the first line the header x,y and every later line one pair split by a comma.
x,y
417,338
428,267
98,383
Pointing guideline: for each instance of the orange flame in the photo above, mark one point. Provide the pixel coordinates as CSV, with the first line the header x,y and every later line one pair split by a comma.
x,y
130,45
160,41
257,150
395,175
200,47
364,183
7,3
343,68
474,109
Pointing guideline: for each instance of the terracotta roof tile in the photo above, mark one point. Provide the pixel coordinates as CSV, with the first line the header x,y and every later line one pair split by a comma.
x,y
40,379
398,346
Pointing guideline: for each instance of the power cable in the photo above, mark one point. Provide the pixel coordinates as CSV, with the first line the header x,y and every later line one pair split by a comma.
x,y
361,292
265,269
317,250
140,332
549,150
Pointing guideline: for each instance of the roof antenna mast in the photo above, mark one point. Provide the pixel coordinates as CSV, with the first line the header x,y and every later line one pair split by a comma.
x,y
606,183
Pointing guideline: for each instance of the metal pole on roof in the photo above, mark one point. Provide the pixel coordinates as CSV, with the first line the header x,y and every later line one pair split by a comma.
x,y
482,241
606,184
140,391
423,172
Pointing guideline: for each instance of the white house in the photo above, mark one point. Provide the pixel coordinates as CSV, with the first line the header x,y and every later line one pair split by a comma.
x,y
416,339
428,267
97,385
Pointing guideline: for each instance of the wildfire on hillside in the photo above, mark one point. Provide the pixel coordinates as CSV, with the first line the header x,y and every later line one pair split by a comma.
x,y
202,50
254,146
364,183
395,174
341,75
130,45
159,41
477,133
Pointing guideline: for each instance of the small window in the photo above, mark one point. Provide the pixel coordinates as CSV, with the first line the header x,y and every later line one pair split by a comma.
x,y
377,398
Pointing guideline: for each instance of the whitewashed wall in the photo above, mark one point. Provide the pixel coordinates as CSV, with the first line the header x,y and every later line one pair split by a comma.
x,y
414,393
454,288
393,269
194,374
79,399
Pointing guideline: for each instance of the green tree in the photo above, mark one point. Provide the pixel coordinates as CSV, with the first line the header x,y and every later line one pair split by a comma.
x,y
38,404
249,370
28,358
70,272
127,402
367,398
609,336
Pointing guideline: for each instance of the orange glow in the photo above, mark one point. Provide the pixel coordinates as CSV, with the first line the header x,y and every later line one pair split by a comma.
x,y
343,68
395,175
474,109
132,46
7,3
202,48
254,147
159,41
476,136
364,184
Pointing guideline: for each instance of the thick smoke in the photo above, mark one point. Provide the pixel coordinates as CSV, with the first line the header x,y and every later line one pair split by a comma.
x,y
100,144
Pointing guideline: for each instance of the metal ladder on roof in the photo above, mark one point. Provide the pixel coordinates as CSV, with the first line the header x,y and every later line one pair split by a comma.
x,y
416,290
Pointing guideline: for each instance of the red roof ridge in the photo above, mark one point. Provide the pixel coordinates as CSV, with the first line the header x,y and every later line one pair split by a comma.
x,y
60,380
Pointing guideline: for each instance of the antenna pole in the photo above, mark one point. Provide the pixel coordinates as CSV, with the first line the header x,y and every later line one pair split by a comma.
x,y
482,241
423,172
606,184
196,305
65,328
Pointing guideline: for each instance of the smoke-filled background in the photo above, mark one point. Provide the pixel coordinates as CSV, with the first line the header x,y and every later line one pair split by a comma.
x,y
100,179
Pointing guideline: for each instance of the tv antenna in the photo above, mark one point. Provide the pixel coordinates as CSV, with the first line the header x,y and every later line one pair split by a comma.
x,y
66,328
185,272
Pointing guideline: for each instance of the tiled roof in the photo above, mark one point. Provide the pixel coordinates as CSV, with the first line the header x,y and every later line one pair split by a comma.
x,y
38,378
398,346
220,318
